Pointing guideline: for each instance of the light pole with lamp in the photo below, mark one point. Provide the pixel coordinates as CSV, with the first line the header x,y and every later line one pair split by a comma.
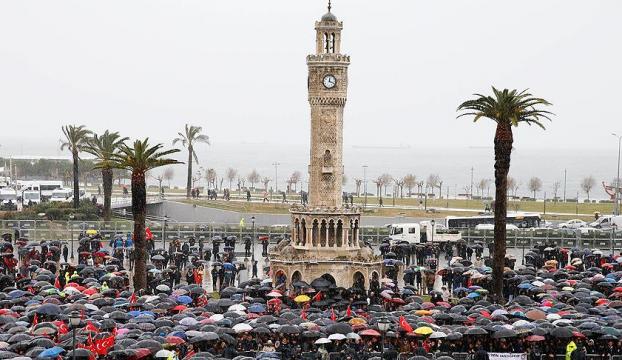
x,y
616,211
276,177
365,185
432,222
383,326
253,244
74,322
71,217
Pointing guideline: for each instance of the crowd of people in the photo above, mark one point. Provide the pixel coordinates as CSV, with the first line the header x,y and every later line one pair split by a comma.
x,y
431,301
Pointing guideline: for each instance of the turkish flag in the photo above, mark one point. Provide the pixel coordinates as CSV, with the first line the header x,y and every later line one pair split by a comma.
x,y
133,298
90,327
333,317
57,283
303,314
317,296
405,325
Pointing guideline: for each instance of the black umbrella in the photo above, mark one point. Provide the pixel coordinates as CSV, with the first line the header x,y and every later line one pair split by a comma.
x,y
476,331
561,332
504,333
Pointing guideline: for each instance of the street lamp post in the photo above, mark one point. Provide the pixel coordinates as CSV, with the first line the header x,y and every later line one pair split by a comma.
x,y
432,222
365,185
616,211
253,243
276,177
71,217
383,326
74,322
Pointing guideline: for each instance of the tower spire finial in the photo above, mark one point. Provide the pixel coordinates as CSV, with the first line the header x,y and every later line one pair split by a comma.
x,y
329,6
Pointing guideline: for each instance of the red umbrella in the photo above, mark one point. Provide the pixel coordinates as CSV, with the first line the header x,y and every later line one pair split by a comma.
x,y
578,335
535,338
369,332
397,301
618,289
179,308
141,353
174,340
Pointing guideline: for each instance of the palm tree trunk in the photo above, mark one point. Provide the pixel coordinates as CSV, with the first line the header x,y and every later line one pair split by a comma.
x,y
107,184
189,180
76,180
503,151
139,207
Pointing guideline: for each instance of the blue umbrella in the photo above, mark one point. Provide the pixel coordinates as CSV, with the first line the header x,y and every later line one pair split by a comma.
x,y
257,308
525,286
184,299
228,266
51,352
473,295
461,289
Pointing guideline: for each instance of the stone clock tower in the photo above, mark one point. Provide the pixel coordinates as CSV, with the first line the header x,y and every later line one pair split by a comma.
x,y
325,234
328,91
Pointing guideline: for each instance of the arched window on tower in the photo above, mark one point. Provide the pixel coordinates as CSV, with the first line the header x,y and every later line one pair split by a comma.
x,y
326,43
332,43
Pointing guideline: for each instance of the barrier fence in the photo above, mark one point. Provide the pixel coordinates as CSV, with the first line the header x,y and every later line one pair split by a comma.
x,y
165,231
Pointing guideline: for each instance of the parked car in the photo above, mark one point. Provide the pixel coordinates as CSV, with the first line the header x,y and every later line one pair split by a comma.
x,y
607,222
572,224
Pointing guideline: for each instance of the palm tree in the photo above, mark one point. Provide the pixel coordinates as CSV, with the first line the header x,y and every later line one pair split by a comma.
x,y
191,136
75,140
140,158
103,147
507,108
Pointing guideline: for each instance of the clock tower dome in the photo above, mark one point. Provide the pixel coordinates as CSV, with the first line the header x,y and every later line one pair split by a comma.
x,y
328,85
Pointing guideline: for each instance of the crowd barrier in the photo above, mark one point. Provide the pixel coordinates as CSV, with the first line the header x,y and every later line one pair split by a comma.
x,y
167,230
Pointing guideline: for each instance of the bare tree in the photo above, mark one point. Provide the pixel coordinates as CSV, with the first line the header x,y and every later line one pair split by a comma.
x,y
410,181
386,180
481,186
211,177
513,185
400,186
556,186
265,181
420,186
231,174
253,178
534,185
587,184
358,182
294,178
344,179
168,175
433,182
378,183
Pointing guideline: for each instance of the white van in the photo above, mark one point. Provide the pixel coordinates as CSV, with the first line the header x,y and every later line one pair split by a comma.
x,y
607,221
411,233
62,195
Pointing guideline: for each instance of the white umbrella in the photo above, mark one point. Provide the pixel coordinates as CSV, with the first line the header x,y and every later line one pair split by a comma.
x,y
438,335
337,337
322,341
237,307
274,294
164,354
217,317
353,336
242,327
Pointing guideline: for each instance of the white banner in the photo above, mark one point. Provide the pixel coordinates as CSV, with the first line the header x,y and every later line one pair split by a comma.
x,y
507,356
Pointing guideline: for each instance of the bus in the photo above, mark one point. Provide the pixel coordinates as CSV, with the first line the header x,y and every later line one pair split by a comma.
x,y
45,187
521,221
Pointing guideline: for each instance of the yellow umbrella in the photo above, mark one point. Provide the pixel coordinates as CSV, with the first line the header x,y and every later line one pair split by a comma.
x,y
423,312
357,321
424,330
91,232
302,298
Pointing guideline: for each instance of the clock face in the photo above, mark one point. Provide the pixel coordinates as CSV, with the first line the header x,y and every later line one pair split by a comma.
x,y
329,81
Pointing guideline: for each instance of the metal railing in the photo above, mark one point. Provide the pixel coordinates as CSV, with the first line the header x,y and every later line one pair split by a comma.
x,y
167,230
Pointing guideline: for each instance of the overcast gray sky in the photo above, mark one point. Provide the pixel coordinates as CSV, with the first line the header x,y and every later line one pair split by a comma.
x,y
238,69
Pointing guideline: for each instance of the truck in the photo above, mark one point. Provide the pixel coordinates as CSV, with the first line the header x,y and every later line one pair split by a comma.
x,y
607,222
411,233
